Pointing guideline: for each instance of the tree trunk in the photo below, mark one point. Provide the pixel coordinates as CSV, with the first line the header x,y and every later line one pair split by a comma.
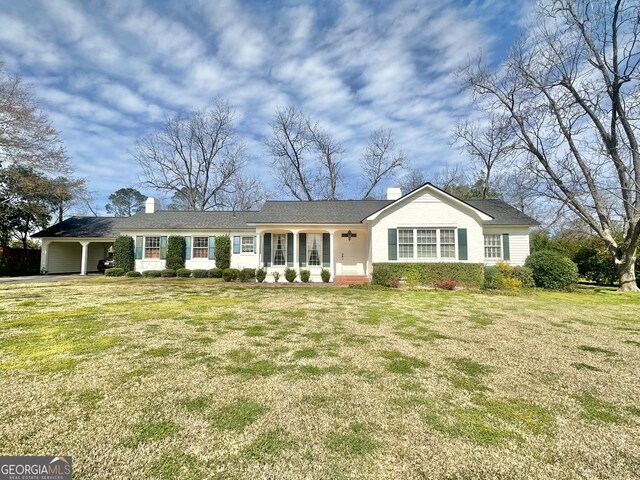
x,y
627,271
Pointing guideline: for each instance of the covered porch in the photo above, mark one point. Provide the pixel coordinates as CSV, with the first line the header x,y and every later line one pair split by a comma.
x,y
341,249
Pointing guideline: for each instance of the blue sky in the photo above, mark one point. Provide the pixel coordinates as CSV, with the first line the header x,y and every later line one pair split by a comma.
x,y
107,72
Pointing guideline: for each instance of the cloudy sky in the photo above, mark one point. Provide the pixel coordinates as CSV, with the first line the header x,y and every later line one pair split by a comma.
x,y
108,72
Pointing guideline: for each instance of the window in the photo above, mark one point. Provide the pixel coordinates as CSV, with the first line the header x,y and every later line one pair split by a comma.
x,y
279,249
492,246
447,244
427,243
151,247
247,245
200,247
405,243
314,247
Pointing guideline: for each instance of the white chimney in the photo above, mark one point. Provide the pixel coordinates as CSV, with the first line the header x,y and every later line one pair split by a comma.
x,y
393,193
152,205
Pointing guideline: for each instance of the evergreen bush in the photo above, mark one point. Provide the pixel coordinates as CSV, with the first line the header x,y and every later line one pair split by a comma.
x,y
124,253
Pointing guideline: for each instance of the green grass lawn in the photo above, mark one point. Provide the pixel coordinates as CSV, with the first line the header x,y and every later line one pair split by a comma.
x,y
170,378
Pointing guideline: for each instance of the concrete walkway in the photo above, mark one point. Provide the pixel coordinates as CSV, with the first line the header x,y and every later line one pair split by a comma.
x,y
47,278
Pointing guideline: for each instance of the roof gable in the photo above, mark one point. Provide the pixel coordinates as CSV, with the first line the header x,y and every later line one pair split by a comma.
x,y
438,193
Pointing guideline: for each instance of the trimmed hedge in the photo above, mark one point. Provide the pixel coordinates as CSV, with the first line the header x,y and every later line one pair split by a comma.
x,y
124,253
470,275
230,274
325,275
168,272
261,274
290,274
152,273
215,273
552,270
176,248
133,273
222,252
305,275
199,273
503,276
183,272
114,272
247,274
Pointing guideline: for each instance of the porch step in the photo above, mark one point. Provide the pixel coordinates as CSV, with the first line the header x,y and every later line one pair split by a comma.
x,y
350,279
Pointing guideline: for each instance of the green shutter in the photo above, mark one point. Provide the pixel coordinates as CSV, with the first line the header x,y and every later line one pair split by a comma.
x,y
163,247
326,250
303,249
289,249
236,244
187,248
266,250
393,244
139,241
506,254
212,248
462,244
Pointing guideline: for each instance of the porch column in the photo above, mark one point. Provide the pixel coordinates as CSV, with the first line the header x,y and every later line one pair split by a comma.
x,y
85,254
331,265
44,258
259,253
296,260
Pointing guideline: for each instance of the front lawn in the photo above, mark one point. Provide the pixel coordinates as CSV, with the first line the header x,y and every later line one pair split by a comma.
x,y
177,378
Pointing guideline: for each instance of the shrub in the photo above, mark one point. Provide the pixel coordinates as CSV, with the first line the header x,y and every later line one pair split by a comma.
x,y
503,276
596,264
247,274
325,275
261,274
124,253
394,281
276,276
290,274
132,273
230,274
114,272
151,273
305,275
176,248
223,252
448,284
168,272
469,275
199,273
215,273
552,270
525,276
183,273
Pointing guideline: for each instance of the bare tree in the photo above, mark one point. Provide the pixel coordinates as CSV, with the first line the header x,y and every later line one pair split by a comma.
x,y
196,158
249,193
411,180
572,92
306,160
489,146
381,160
26,135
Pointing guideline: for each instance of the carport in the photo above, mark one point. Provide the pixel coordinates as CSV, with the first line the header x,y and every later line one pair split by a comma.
x,y
76,244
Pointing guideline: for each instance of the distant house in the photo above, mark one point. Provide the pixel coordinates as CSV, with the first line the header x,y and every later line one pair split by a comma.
x,y
344,236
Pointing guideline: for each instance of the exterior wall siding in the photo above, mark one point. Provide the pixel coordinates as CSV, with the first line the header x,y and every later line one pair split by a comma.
x,y
518,244
427,210
239,261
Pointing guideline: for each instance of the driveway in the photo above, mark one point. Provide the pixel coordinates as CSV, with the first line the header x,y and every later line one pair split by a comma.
x,y
47,278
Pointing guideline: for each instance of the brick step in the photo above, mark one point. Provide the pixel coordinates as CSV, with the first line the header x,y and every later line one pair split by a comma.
x,y
350,279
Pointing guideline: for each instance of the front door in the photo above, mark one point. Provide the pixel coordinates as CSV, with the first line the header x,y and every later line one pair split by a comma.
x,y
348,256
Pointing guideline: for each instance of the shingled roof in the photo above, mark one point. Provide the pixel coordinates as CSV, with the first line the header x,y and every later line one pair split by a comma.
x,y
96,227
320,211
502,213
180,220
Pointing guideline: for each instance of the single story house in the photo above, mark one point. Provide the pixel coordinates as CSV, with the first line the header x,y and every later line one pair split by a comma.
x,y
343,236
